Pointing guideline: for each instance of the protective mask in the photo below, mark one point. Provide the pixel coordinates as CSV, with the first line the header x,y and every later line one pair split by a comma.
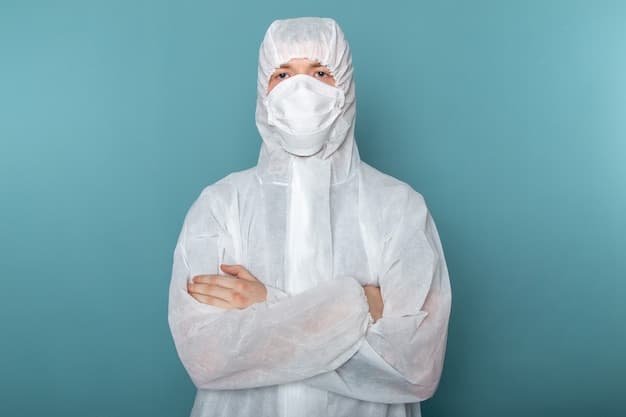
x,y
304,111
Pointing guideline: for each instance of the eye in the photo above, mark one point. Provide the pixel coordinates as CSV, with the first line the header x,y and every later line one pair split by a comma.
x,y
321,74
281,75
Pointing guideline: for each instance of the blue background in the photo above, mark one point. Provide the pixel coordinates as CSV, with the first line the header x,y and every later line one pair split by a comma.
x,y
508,116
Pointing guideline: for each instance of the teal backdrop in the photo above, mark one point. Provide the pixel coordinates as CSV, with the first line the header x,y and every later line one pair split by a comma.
x,y
508,116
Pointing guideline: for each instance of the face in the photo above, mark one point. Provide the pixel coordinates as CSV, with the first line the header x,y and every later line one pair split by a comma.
x,y
300,66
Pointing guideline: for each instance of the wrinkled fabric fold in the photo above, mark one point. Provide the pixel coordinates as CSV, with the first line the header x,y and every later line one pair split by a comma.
x,y
308,257
308,253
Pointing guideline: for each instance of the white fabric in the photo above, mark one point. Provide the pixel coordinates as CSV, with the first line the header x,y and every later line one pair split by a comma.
x,y
314,230
304,111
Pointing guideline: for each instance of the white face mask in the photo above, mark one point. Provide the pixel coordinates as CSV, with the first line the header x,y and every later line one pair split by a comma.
x,y
304,110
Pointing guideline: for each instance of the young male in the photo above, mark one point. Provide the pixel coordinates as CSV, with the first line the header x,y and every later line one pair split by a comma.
x,y
311,284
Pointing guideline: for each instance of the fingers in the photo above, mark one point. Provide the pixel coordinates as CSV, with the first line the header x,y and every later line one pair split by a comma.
x,y
215,291
372,290
374,300
217,296
207,299
219,290
238,271
234,270
228,291
219,280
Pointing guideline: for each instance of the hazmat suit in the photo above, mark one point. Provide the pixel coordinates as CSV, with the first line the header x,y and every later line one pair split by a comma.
x,y
314,223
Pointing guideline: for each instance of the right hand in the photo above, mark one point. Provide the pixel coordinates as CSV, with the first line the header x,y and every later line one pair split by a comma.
x,y
239,290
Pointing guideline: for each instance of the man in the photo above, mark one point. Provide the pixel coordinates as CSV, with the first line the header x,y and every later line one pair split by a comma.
x,y
311,284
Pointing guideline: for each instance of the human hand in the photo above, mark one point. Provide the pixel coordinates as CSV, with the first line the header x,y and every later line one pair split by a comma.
x,y
375,301
239,289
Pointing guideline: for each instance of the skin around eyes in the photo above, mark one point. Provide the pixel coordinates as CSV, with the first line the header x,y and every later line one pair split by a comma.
x,y
300,66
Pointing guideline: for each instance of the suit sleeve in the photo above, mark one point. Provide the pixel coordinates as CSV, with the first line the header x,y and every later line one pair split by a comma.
x,y
401,359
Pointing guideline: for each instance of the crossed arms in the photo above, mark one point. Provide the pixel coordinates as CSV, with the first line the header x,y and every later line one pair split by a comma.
x,y
228,293
323,336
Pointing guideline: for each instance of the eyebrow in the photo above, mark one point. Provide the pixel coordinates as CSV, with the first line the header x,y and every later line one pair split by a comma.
x,y
313,65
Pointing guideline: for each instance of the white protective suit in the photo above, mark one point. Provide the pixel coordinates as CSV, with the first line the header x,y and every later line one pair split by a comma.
x,y
314,230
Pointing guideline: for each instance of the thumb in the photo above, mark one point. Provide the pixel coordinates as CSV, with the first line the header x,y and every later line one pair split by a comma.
x,y
238,271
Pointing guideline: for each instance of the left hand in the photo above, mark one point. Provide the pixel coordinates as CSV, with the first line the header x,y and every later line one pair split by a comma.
x,y
240,290
375,301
